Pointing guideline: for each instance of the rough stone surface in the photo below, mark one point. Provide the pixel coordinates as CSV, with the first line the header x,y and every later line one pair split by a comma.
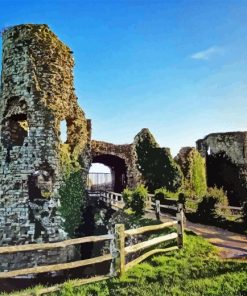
x,y
122,161
36,94
226,161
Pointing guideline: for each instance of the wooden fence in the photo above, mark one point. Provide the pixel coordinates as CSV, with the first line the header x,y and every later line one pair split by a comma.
x,y
117,253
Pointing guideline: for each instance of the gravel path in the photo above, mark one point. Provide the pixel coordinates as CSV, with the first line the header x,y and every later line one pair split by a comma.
x,y
230,244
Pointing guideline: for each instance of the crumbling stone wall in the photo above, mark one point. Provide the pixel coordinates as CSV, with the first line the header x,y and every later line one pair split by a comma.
x,y
155,164
226,162
124,156
37,93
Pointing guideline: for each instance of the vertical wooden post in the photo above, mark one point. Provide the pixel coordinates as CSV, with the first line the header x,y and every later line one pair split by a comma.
x,y
157,209
119,246
180,225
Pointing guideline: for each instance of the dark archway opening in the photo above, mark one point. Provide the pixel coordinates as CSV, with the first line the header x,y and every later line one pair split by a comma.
x,y
221,172
118,168
15,130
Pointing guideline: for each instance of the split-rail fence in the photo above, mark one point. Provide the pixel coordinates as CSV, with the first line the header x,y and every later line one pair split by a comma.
x,y
118,250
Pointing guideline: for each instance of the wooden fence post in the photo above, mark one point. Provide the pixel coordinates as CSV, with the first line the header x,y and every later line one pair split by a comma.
x,y
157,209
180,225
119,249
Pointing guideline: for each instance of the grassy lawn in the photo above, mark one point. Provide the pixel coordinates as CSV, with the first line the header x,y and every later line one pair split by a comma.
x,y
195,270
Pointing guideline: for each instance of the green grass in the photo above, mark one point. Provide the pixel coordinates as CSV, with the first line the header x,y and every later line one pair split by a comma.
x,y
195,270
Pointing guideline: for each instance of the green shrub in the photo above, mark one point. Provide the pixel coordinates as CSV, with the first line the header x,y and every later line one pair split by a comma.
x,y
139,198
198,175
136,199
156,165
219,194
127,197
193,167
162,193
207,209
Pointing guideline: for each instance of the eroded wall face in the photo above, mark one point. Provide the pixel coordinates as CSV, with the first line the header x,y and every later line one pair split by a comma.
x,y
37,93
124,163
226,162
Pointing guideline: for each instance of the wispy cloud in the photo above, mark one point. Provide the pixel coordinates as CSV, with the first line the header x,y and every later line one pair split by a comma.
x,y
207,53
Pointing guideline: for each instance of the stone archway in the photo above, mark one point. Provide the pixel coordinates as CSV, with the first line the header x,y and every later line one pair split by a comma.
x,y
118,169
120,159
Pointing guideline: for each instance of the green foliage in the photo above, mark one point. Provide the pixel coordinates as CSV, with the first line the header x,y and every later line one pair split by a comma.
x,y
139,198
136,199
198,174
207,209
72,193
69,161
219,194
163,193
194,170
194,270
156,164
127,197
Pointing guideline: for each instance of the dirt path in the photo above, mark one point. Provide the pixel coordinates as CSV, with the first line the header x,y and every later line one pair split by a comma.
x,y
230,244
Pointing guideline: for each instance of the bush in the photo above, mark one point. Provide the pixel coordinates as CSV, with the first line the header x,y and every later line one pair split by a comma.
x,y
198,174
208,208
156,165
127,197
162,193
219,194
193,167
136,199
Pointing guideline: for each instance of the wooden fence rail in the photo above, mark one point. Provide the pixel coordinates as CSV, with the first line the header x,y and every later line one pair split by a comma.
x,y
118,249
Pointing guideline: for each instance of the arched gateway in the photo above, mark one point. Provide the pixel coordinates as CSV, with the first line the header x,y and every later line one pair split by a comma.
x,y
120,159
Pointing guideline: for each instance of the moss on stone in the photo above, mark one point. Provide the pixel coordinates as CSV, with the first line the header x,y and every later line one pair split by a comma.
x,y
156,164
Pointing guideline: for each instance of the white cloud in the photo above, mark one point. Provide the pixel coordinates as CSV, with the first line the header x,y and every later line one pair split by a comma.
x,y
207,53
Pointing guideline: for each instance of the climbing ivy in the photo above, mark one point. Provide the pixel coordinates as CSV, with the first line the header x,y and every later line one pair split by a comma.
x,y
198,174
194,169
156,164
72,192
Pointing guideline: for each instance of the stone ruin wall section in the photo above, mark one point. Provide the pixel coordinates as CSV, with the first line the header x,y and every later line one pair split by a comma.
x,y
234,146
125,152
37,93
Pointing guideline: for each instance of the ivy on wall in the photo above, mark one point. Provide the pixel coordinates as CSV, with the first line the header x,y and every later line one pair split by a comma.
x,y
198,174
156,164
72,192
194,169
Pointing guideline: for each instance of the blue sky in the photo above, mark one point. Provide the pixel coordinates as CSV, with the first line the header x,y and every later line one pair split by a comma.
x,y
178,68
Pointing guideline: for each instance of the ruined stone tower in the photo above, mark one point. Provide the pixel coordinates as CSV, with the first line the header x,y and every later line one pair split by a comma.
x,y
37,93
226,163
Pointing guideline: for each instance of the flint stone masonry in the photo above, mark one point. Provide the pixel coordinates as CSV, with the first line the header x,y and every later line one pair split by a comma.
x,y
226,162
121,159
36,94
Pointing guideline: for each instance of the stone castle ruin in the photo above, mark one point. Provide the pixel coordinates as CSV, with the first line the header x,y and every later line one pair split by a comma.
x,y
36,95
226,163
